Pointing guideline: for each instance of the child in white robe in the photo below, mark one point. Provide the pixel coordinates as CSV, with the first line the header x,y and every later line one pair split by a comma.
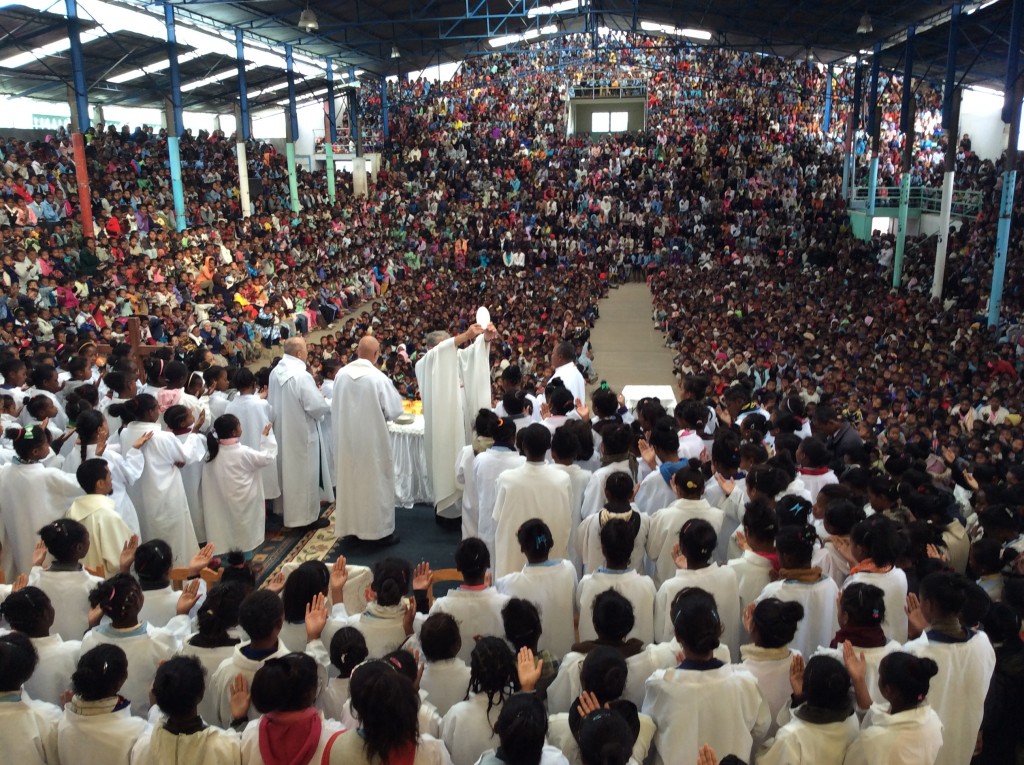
x,y
310,579
483,427
614,448
874,545
120,598
445,676
548,584
254,414
233,503
703,701
30,612
109,536
487,466
965,660
758,562
823,724
66,582
28,727
180,422
98,725
522,729
347,651
799,581
840,518
213,641
618,490
904,730
390,619
697,542
181,737
617,544
771,624
660,453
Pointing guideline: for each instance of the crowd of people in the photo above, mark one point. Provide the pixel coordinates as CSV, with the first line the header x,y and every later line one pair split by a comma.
x,y
814,557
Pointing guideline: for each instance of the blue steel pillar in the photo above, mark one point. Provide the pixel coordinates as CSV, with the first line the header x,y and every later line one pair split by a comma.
x,y
332,134
242,128
1014,90
175,122
907,127
384,106
77,66
827,122
951,130
875,130
292,123
353,114
849,157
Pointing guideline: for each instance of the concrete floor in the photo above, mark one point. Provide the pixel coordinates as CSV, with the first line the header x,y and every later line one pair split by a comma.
x,y
628,350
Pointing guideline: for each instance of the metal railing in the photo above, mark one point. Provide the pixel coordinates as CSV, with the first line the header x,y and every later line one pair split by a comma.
x,y
602,88
966,203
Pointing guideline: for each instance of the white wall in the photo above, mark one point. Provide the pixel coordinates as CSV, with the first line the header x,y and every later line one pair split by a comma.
x,y
980,118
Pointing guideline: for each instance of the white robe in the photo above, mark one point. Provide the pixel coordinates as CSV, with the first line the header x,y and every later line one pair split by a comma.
x,y
233,500
454,385
146,647
253,414
464,482
211,659
487,466
364,401
532,490
125,469
893,584
298,405
580,480
912,737
327,431
478,612
107,531
573,380
31,496
218,685
159,495
957,693
819,601
753,572
873,658
211,746
770,667
801,743
654,493
551,586
191,479
588,542
446,683
593,497
468,729
560,735
664,534
104,738
687,706
637,589
720,582
567,686
57,660
28,731
68,591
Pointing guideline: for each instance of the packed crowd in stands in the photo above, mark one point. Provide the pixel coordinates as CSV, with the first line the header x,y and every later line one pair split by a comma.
x,y
814,558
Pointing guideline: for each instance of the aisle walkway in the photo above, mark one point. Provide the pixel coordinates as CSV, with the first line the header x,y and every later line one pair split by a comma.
x,y
628,350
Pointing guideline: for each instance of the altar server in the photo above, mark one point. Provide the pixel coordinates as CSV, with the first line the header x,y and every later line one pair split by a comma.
x,y
28,727
254,414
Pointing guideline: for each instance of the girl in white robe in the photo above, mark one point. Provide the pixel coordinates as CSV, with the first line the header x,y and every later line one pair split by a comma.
x,y
465,482
254,414
181,422
874,545
120,598
703,701
487,466
159,494
98,725
965,662
697,542
30,612
805,584
823,724
28,727
661,450
548,584
178,739
758,562
618,490
153,563
125,469
347,651
383,622
688,484
31,496
234,503
66,582
904,729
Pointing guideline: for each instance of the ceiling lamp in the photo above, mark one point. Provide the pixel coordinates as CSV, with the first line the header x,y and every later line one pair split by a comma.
x,y
395,53
864,27
308,21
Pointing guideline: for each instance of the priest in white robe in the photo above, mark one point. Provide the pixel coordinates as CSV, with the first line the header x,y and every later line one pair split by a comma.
x,y
297,406
364,401
454,384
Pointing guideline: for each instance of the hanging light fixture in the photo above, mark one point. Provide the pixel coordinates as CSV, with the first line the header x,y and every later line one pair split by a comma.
x,y
864,27
395,53
308,21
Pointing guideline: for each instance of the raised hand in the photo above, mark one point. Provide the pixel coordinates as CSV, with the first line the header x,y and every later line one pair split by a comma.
x,y
796,675
727,484
339,575
678,557
647,453
409,617
582,410
39,554
200,560
528,667
143,439
588,703
20,583
200,420
128,550
706,756
855,663
316,617
422,577
748,616
239,697
188,598
266,430
916,623
101,442
276,583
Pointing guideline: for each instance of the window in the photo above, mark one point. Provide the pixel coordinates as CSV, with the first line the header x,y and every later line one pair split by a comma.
x,y
609,122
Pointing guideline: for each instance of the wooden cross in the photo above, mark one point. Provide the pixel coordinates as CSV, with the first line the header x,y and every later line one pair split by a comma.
x,y
140,350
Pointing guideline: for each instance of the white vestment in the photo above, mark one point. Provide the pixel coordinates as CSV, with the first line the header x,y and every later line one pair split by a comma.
x,y
468,729
770,667
28,730
588,543
802,743
125,469
298,405
593,497
638,590
872,659
664,533
211,659
532,490
191,478
253,414
445,682
31,496
210,746
57,661
107,531
364,401
92,739
464,482
218,685
487,466
159,494
454,385
753,572
477,612
654,493
233,500
893,584
146,647
327,430
819,600
720,582
580,480
911,737
551,586
68,591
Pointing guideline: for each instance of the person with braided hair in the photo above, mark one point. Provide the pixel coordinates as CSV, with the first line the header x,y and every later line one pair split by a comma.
x,y
66,582
30,612
28,727
468,727
120,598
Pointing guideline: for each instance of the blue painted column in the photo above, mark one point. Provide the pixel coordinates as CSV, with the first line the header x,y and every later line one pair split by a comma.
x,y
384,106
332,117
353,113
907,127
951,130
242,128
827,123
875,130
292,122
1014,94
175,123
331,136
